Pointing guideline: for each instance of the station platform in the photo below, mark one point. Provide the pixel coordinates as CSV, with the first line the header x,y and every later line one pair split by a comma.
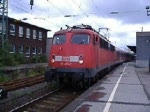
x,y
125,89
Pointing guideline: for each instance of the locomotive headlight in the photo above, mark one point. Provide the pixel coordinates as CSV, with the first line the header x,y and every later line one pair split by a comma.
x,y
81,61
52,61
53,58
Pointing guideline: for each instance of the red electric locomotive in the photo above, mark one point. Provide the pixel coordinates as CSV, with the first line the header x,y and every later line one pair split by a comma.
x,y
79,53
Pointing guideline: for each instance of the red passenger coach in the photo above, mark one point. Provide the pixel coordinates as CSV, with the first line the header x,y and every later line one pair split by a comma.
x,y
79,53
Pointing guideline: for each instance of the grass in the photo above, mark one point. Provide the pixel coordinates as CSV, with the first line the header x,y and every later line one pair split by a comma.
x,y
4,78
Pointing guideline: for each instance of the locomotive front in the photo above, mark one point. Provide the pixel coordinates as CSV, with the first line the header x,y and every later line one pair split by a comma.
x,y
70,55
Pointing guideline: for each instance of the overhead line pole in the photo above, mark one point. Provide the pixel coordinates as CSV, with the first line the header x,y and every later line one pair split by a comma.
x,y
3,21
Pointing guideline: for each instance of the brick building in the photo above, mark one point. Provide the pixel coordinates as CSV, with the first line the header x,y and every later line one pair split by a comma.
x,y
26,38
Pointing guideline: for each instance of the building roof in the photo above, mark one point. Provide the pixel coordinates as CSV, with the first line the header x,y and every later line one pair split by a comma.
x,y
12,19
143,34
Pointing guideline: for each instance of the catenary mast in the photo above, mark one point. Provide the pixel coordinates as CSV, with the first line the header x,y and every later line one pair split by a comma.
x,y
3,21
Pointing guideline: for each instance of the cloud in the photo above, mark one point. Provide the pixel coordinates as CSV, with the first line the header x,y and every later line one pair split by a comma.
x,y
132,11
131,16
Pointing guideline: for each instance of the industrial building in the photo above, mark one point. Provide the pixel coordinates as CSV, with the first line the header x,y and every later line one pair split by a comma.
x,y
142,49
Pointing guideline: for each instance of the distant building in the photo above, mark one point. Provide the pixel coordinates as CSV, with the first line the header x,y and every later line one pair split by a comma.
x,y
26,38
48,46
142,49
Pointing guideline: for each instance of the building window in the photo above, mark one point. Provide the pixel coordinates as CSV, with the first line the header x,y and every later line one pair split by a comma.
x,y
33,50
28,51
40,35
20,31
39,50
27,33
12,48
12,29
20,48
34,34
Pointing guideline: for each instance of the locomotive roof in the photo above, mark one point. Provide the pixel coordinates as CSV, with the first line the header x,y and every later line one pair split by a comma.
x,y
85,28
82,28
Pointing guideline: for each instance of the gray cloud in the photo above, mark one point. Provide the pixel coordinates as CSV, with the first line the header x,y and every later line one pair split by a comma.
x,y
129,11
132,11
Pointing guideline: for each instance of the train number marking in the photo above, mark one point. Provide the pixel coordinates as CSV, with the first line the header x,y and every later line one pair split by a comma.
x,y
67,64
66,58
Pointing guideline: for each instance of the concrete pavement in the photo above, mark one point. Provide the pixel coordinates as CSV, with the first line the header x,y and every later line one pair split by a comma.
x,y
126,89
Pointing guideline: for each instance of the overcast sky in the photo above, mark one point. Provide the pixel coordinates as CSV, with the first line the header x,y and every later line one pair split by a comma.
x,y
49,14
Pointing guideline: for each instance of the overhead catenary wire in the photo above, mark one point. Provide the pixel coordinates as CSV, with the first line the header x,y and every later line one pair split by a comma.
x,y
19,8
23,5
52,4
100,12
97,8
84,12
42,18
80,8
55,7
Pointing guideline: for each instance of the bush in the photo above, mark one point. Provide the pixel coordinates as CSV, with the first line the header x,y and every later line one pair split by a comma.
x,y
3,77
42,59
19,58
12,59
39,59
30,73
6,58
35,59
42,70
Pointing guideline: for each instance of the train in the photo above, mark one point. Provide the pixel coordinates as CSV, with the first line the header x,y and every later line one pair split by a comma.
x,y
80,55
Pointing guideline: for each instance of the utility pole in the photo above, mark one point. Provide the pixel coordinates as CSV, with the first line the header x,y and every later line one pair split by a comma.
x,y
3,21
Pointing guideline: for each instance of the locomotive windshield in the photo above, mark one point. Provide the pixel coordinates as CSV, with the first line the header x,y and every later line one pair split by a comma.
x,y
80,39
59,39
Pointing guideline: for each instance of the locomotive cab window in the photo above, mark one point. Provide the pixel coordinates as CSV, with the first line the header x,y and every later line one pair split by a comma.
x,y
59,39
80,39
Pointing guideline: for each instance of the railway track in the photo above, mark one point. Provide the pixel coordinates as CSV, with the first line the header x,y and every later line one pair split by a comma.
x,y
51,102
20,83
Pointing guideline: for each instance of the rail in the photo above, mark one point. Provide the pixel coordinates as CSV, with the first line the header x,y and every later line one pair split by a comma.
x,y
19,83
51,102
